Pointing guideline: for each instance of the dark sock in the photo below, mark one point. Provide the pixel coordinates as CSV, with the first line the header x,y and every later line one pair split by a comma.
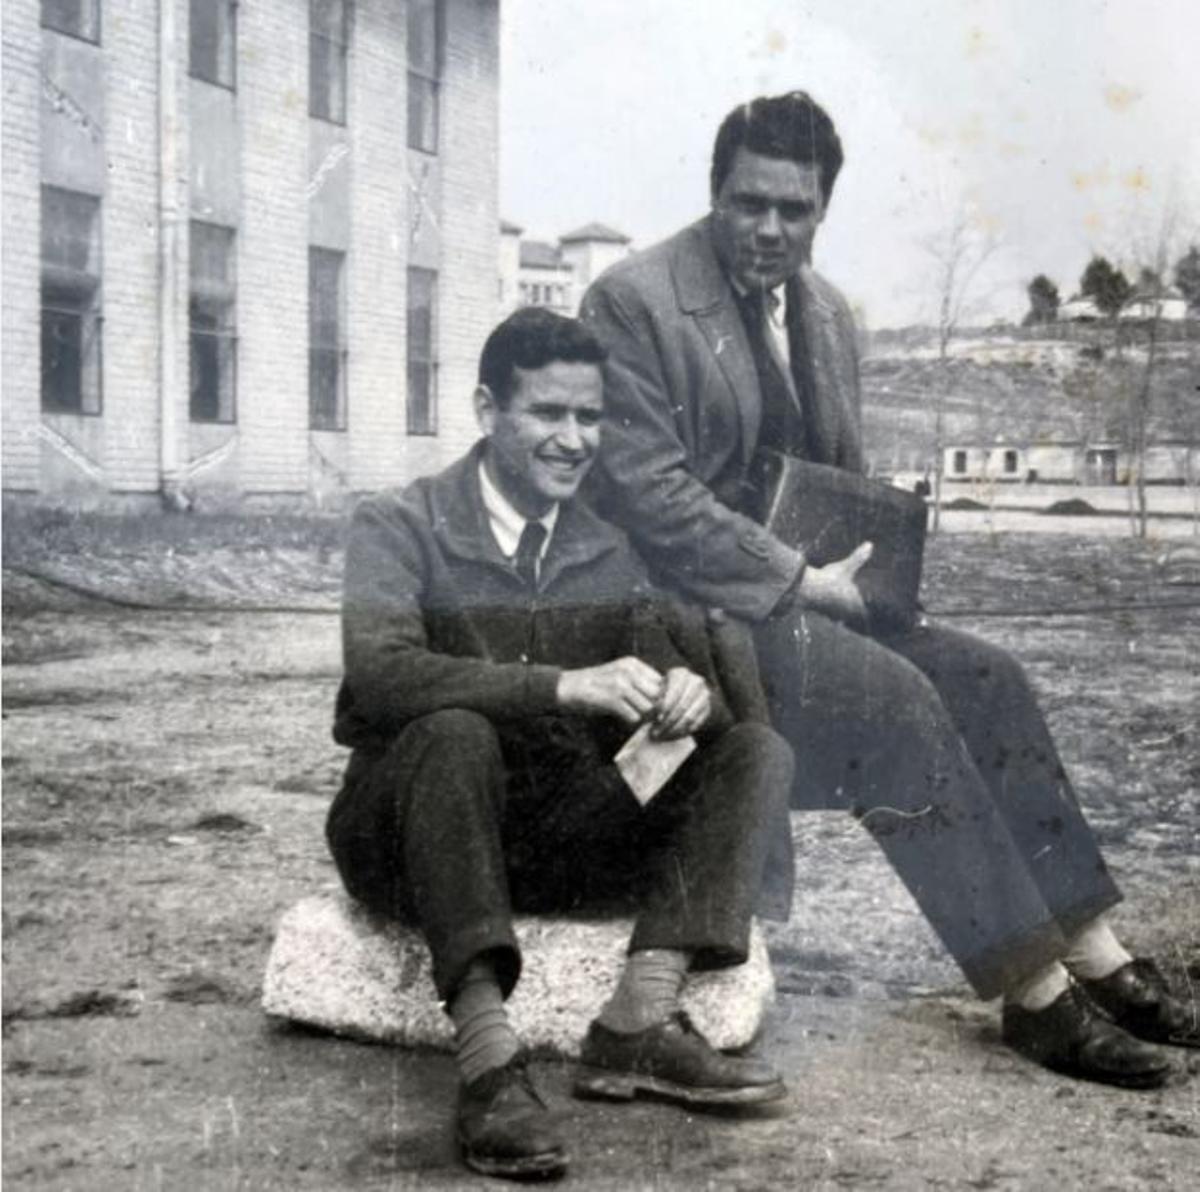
x,y
484,1038
648,990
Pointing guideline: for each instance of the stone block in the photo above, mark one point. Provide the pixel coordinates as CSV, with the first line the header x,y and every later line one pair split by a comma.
x,y
335,967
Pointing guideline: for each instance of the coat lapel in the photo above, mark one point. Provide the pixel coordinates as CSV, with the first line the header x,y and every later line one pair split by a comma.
x,y
704,293
832,424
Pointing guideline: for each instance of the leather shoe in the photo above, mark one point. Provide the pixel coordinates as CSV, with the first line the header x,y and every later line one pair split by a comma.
x,y
1069,1036
674,1062
1137,998
505,1128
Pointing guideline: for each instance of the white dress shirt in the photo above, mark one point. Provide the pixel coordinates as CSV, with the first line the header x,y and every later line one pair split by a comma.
x,y
775,302
506,522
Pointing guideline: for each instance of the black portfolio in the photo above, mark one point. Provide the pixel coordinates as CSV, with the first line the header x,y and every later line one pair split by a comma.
x,y
827,512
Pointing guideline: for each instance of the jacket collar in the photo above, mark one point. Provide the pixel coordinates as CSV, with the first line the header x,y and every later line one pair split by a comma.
x,y
702,284
703,290
460,524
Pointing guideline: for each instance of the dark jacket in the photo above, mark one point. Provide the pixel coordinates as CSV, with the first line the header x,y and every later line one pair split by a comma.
x,y
683,412
435,617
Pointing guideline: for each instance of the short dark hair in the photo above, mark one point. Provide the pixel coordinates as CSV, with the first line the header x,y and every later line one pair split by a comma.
x,y
533,337
792,126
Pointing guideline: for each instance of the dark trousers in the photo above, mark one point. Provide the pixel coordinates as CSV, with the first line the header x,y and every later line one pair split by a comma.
x,y
457,825
935,741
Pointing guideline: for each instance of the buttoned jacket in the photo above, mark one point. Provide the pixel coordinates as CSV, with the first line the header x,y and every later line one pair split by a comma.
x,y
435,617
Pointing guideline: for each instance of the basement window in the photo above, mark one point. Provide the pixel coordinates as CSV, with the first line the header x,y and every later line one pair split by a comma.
x,y
70,302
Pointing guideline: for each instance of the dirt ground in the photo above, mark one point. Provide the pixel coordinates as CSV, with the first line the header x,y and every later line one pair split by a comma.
x,y
166,774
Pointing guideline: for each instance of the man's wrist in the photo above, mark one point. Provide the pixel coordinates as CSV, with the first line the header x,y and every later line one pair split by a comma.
x,y
790,597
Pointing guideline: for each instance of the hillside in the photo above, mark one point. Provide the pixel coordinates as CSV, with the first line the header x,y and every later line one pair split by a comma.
x,y
1019,391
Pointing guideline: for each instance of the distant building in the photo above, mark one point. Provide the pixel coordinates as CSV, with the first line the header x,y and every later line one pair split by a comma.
x,y
545,279
249,247
589,251
537,273
1168,304
1078,309
1069,462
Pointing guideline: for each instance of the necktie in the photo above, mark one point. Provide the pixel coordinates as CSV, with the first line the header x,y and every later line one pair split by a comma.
x,y
782,427
528,549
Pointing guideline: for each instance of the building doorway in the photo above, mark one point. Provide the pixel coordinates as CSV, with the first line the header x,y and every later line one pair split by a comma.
x,y
1100,465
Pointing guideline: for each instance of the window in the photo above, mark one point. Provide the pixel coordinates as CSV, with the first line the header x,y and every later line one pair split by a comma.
x,y
70,297
212,323
328,38
212,41
960,462
424,72
1010,461
79,18
422,355
326,355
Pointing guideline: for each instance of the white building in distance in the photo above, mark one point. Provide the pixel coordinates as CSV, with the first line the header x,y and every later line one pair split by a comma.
x,y
556,276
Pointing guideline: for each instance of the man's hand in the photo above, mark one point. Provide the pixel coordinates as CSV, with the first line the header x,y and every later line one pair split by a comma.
x,y
831,589
684,706
626,688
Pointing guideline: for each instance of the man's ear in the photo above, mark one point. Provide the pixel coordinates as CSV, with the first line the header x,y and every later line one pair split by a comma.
x,y
485,410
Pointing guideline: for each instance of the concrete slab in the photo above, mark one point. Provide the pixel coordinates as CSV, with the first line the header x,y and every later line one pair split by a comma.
x,y
337,968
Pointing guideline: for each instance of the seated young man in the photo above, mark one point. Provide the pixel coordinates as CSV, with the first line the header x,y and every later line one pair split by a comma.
x,y
501,643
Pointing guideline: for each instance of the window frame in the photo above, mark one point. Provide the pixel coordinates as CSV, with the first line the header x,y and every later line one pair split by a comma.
x,y
342,59
429,84
959,462
97,9
427,427
225,337
85,305
231,7
336,349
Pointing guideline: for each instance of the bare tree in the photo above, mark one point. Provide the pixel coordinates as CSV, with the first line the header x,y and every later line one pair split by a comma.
x,y
957,252
1152,255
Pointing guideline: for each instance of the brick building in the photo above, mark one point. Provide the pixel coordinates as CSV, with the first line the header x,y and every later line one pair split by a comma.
x,y
249,247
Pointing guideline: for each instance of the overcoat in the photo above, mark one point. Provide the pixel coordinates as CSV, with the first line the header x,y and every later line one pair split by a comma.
x,y
683,411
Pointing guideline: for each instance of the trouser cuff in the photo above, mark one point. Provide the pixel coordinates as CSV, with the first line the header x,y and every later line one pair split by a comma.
x,y
491,938
717,943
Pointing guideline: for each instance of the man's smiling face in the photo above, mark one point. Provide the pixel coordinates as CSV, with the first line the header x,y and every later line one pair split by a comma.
x,y
765,217
543,443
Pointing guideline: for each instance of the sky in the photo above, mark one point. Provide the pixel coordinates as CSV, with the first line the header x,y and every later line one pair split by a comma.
x,y
1054,128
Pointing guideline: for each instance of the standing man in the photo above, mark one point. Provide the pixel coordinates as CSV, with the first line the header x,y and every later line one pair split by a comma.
x,y
723,342
501,642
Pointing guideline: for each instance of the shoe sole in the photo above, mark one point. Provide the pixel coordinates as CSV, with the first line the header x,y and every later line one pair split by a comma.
x,y
1134,1080
597,1084
546,1166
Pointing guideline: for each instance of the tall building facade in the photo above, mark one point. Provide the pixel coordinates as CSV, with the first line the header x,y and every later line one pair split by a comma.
x,y
249,247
